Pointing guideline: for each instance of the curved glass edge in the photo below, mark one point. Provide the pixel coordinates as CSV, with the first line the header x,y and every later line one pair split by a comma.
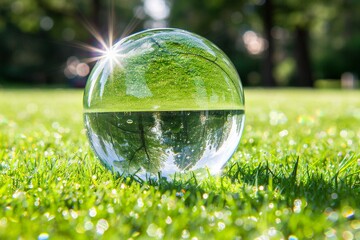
x,y
203,49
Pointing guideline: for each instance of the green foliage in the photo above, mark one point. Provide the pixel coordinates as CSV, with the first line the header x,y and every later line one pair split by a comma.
x,y
38,36
35,34
295,175
344,60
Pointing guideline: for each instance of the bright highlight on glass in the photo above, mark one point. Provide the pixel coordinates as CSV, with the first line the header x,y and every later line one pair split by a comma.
x,y
164,101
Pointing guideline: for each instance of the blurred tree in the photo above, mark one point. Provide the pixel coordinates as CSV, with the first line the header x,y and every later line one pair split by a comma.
x,y
338,45
303,19
223,22
268,68
37,36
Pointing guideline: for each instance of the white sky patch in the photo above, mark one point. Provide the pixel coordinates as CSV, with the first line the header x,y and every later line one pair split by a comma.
x,y
157,9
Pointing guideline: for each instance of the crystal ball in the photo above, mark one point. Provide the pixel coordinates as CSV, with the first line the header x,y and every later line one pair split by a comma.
x,y
164,102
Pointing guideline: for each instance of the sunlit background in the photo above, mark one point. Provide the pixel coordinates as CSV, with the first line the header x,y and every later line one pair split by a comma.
x,y
271,42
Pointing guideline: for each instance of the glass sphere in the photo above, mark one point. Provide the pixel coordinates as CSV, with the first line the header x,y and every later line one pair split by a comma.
x,y
163,102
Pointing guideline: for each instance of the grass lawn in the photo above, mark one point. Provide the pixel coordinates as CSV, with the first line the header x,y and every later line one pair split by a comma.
x,y
296,175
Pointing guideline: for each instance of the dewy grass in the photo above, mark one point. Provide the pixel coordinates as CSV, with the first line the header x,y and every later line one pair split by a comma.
x,y
295,175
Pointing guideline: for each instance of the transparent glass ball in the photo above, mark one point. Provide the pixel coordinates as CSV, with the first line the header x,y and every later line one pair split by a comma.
x,y
164,102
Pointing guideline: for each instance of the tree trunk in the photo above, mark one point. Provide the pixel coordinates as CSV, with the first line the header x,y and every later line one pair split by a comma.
x,y
348,13
302,54
96,8
268,62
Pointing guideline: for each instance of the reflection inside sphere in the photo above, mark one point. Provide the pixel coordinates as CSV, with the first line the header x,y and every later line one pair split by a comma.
x,y
145,143
164,101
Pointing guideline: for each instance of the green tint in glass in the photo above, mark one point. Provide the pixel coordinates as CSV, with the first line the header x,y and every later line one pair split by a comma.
x,y
164,101
164,70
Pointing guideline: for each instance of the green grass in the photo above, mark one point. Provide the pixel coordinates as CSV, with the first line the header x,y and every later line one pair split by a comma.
x,y
164,70
296,175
